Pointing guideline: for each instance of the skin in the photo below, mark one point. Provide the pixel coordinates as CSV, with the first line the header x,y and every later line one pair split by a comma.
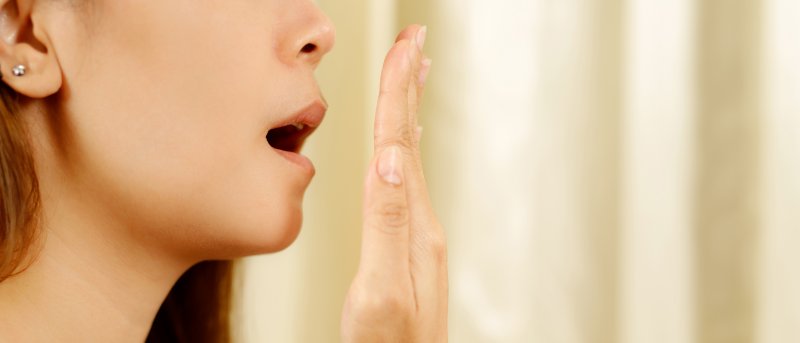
x,y
400,290
148,121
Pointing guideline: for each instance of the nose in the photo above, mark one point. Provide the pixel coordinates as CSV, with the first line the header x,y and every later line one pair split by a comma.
x,y
314,38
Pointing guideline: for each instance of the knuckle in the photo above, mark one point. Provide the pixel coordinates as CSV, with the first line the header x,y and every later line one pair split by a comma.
x,y
400,140
393,217
437,246
393,91
375,305
437,243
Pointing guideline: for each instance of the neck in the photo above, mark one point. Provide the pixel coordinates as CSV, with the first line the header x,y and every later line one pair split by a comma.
x,y
86,284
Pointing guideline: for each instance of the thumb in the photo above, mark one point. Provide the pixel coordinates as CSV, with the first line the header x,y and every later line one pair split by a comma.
x,y
385,237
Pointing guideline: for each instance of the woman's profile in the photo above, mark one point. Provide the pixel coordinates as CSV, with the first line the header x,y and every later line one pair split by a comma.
x,y
146,144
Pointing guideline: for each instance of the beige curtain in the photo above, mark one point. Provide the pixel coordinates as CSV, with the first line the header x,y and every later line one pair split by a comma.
x,y
608,171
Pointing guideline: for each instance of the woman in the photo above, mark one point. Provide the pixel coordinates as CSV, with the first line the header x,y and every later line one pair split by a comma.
x,y
143,137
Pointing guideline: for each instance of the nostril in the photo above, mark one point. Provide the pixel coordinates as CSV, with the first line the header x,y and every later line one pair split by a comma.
x,y
308,48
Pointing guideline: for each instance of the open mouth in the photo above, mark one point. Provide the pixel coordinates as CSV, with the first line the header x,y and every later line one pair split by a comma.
x,y
289,138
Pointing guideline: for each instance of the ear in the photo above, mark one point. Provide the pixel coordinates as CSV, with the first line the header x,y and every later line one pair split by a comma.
x,y
23,41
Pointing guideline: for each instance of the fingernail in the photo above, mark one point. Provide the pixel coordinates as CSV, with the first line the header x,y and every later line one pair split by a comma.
x,y
390,167
419,133
424,69
421,35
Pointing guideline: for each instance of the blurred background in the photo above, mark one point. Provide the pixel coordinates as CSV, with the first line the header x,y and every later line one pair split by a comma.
x,y
607,171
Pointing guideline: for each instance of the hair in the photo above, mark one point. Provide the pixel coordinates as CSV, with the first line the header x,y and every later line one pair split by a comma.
x,y
197,309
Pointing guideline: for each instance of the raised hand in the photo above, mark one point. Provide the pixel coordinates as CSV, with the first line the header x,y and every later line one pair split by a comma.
x,y
400,291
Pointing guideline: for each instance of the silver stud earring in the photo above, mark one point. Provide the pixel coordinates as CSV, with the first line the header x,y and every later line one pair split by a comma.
x,y
18,70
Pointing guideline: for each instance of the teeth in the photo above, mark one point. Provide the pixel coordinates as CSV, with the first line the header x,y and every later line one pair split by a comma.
x,y
299,126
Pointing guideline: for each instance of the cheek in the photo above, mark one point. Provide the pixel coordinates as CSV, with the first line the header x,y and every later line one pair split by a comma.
x,y
171,140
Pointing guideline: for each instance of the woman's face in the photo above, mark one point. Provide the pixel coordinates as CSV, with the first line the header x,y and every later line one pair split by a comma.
x,y
165,109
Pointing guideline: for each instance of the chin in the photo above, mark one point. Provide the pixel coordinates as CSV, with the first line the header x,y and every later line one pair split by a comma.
x,y
284,237
268,235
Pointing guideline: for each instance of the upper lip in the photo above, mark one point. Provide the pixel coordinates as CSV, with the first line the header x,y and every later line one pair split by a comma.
x,y
310,115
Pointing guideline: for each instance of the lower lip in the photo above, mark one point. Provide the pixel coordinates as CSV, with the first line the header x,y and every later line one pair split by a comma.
x,y
299,160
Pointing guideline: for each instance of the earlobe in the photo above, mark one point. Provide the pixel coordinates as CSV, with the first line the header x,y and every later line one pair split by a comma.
x,y
28,63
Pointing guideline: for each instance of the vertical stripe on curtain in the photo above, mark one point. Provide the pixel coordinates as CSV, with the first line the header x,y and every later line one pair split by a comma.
x,y
656,292
778,309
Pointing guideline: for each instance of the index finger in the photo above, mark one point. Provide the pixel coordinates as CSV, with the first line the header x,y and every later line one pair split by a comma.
x,y
385,236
